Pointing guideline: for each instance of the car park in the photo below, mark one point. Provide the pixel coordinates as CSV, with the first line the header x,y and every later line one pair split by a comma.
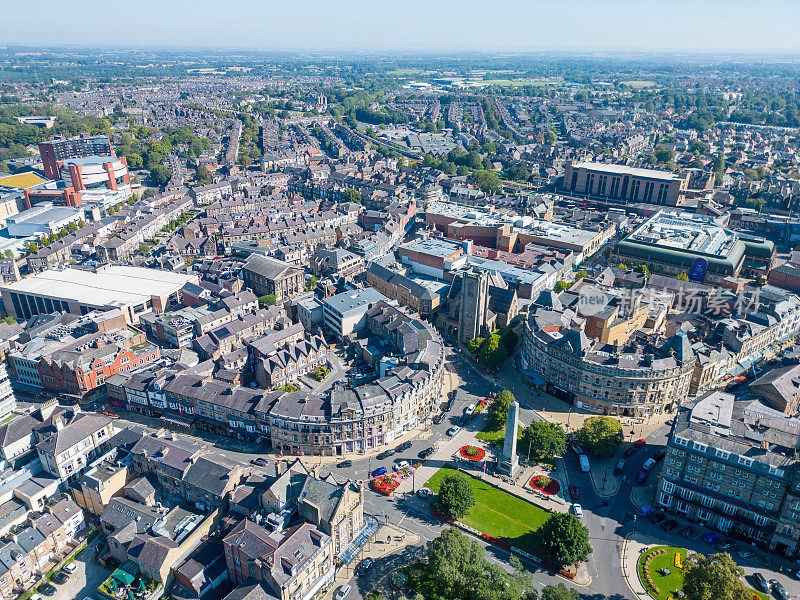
x,y
710,538
345,464
378,472
573,492
343,591
404,446
400,466
578,510
669,525
427,452
688,531
453,430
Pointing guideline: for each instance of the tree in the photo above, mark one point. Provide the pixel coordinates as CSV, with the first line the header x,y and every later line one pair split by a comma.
x,y
474,345
352,195
564,540
664,155
498,409
714,577
643,270
311,283
559,592
455,496
160,175
601,435
267,300
719,168
203,175
550,137
544,440
492,353
581,274
560,286
682,277
9,254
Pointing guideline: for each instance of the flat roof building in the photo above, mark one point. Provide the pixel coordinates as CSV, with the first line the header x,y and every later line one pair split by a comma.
x,y
627,184
60,149
134,290
345,313
43,218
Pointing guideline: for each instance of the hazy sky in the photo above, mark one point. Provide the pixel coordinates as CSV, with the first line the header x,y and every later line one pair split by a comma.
x,y
743,25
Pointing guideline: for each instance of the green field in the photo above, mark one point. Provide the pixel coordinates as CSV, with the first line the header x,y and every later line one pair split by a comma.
x,y
638,84
674,581
498,513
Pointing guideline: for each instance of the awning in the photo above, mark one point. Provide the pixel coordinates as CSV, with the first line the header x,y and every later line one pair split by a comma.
x,y
177,420
123,577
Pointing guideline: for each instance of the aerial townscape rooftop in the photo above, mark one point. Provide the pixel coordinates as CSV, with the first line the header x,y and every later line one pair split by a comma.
x,y
341,302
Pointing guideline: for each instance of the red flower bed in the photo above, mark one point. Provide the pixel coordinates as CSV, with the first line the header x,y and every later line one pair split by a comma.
x,y
472,453
546,485
384,484
495,541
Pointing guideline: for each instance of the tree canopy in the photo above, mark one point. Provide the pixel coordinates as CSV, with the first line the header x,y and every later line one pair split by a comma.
x,y
545,440
498,409
714,577
564,540
455,497
600,435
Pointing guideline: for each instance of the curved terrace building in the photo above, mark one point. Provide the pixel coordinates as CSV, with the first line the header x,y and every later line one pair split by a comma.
x,y
630,379
410,361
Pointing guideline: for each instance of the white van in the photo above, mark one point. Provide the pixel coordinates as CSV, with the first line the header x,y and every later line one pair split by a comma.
x,y
584,460
343,591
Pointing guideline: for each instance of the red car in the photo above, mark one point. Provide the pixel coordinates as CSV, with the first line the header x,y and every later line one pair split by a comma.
x,y
639,443
573,492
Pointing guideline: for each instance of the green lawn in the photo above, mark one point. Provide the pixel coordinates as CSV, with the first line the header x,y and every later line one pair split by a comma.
x,y
489,436
498,513
674,581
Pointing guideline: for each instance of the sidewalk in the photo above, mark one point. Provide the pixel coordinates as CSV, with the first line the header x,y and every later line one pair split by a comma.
x,y
629,560
387,540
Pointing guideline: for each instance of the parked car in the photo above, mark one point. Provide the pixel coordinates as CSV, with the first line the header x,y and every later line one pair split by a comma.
x,y
710,538
404,446
70,567
648,464
60,578
576,449
378,472
259,462
438,418
345,464
779,590
745,553
669,525
662,452
423,493
619,467
630,451
656,517
762,582
452,431
578,510
644,511
573,492
688,531
386,454
640,442
427,452
343,591
364,567
641,476
468,410
48,589
400,466
726,545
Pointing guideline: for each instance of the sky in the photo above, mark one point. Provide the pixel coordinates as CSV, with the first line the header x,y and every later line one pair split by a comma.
x,y
458,25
